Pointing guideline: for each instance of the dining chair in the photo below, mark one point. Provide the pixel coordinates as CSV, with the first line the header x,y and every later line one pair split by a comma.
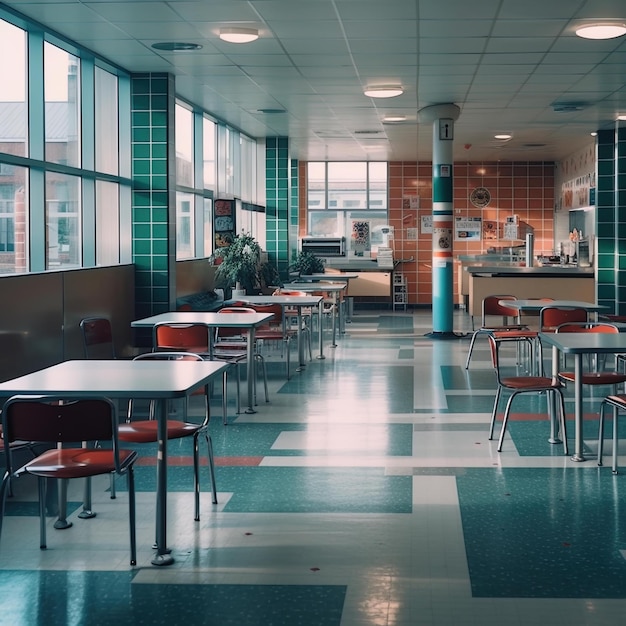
x,y
97,335
194,338
597,375
551,317
58,421
618,403
306,315
491,308
230,345
146,430
518,384
275,330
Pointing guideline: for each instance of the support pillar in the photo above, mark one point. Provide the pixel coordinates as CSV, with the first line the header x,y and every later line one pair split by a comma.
x,y
442,117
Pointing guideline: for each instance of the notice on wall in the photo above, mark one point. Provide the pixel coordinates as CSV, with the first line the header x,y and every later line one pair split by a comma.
x,y
468,228
426,222
490,230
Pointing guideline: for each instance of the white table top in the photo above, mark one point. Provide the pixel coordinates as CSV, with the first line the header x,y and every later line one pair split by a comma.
x,y
331,287
537,305
584,343
282,300
332,277
235,320
116,379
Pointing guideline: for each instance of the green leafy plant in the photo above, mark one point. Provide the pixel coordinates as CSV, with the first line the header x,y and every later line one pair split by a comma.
x,y
240,266
306,262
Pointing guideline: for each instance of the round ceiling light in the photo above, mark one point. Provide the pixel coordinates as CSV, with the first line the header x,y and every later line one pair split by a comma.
x,y
174,46
503,136
601,31
239,35
383,91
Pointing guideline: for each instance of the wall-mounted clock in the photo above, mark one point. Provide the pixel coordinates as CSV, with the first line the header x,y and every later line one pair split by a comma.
x,y
480,197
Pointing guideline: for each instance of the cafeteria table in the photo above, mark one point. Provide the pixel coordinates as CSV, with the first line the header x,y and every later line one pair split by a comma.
x,y
248,321
160,381
578,344
298,303
334,288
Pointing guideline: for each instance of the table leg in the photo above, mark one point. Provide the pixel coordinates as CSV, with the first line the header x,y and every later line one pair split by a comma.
x,y
299,341
320,329
250,372
163,556
554,422
578,403
334,314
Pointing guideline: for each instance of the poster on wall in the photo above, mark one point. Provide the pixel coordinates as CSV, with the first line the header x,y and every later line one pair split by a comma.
x,y
360,240
490,230
426,222
468,228
224,222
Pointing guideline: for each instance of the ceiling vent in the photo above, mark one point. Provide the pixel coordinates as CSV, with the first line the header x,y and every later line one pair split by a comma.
x,y
369,133
568,107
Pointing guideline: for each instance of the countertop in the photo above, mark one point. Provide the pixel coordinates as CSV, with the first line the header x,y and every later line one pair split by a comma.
x,y
545,270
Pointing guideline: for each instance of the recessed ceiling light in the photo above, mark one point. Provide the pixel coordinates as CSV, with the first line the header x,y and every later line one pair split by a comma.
x,y
601,31
621,117
383,91
173,46
390,119
503,136
238,35
594,134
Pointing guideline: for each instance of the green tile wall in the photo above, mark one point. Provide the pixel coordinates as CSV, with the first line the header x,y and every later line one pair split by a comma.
x,y
152,102
611,218
280,187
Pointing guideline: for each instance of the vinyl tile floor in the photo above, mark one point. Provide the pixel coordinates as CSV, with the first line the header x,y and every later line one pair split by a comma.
x,y
365,493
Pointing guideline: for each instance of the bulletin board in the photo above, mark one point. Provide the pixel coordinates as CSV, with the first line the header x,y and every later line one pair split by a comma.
x,y
224,222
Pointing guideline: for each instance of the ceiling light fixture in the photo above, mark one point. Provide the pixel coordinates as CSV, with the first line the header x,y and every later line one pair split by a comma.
x,y
601,31
238,35
621,118
391,119
383,91
176,46
503,136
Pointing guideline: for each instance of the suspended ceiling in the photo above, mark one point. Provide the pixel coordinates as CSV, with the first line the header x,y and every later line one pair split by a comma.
x,y
507,64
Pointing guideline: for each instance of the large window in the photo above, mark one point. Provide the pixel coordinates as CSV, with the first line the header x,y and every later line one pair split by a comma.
x,y
13,112
348,200
184,146
64,197
63,236
62,96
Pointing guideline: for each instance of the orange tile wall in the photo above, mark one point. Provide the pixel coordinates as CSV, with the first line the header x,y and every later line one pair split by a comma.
x,y
525,189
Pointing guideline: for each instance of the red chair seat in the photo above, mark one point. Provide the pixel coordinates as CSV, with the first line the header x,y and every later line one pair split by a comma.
x,y
145,431
596,378
77,462
530,382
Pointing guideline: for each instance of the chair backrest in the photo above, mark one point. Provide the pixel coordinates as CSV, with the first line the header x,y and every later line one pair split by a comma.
x,y
582,327
97,338
182,337
289,292
551,317
55,419
492,307
275,309
223,332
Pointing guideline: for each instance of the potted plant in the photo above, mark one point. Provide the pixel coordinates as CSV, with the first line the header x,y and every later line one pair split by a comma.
x,y
307,263
240,265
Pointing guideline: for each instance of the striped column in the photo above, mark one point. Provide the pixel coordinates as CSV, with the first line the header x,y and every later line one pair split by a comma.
x,y
442,117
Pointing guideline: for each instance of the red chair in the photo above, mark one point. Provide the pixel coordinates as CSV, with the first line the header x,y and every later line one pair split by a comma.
x,y
521,384
618,404
97,338
491,308
146,430
231,345
66,421
193,338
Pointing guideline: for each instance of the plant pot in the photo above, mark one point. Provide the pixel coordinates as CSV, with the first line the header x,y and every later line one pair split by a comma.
x,y
238,293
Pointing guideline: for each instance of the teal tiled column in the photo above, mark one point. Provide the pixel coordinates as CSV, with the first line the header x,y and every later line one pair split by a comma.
x,y
281,201
611,219
153,209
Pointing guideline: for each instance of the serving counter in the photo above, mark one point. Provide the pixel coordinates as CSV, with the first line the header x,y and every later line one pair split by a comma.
x,y
558,282
371,281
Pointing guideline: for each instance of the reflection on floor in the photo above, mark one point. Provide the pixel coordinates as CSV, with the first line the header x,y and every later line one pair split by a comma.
x,y
366,493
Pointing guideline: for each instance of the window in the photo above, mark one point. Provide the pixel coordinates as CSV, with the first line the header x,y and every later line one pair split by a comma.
x,y
63,232
184,147
107,223
13,110
14,222
184,226
208,151
106,122
348,199
62,110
